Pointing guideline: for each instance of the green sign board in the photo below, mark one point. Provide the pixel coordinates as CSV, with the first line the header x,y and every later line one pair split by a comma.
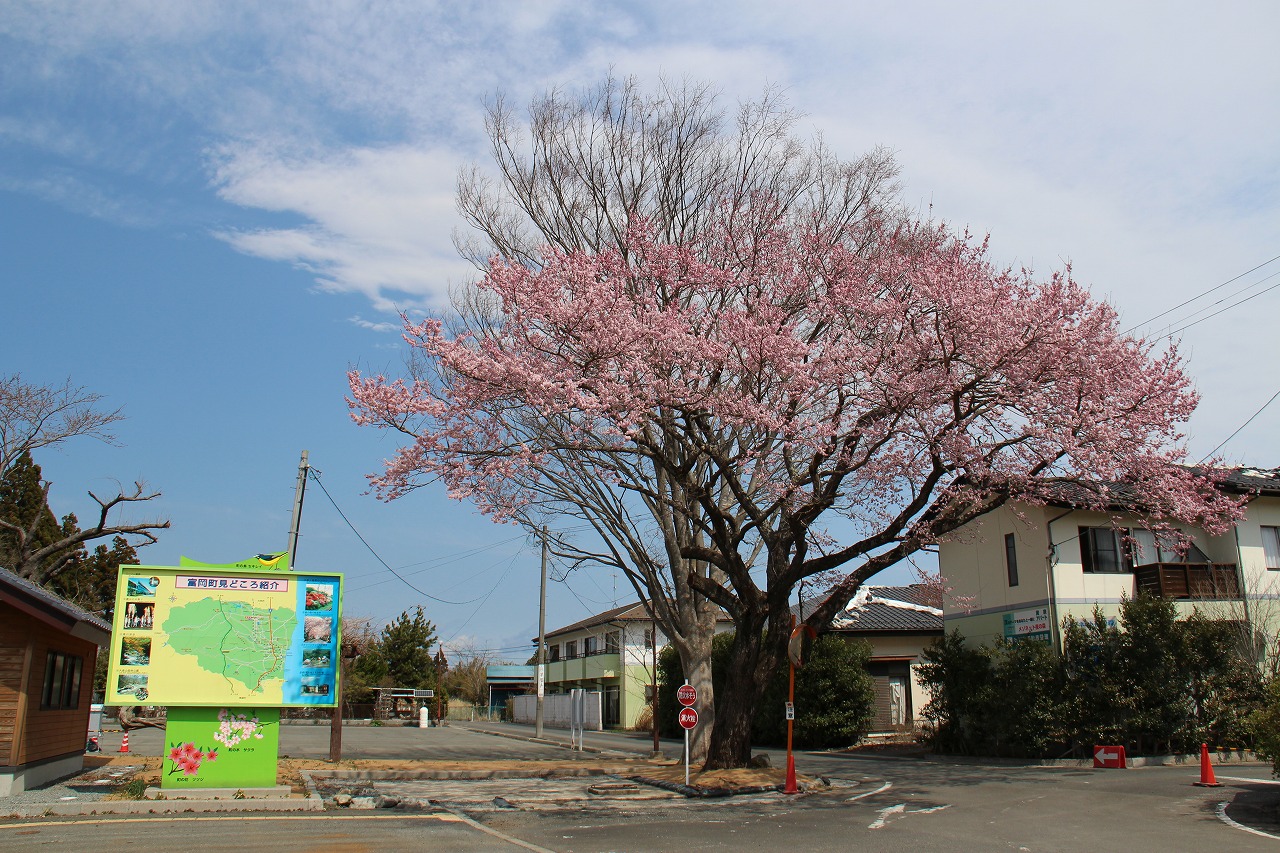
x,y
210,635
220,748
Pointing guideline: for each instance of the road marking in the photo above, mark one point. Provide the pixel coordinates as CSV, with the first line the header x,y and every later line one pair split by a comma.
x,y
448,817
1225,818
495,833
1247,779
901,808
886,786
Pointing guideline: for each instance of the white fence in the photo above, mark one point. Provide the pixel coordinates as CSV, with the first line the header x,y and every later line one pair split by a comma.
x,y
557,711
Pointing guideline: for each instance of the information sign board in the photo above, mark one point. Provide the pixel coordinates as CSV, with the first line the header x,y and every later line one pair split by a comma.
x,y
688,718
686,694
1028,625
225,637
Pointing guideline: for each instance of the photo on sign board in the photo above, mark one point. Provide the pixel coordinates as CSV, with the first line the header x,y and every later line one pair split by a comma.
x,y
142,587
317,629
319,596
134,685
139,616
316,657
135,651
314,687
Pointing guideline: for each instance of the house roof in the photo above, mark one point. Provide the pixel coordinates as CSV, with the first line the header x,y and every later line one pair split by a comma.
x,y
53,609
915,608
1265,481
635,612
1127,496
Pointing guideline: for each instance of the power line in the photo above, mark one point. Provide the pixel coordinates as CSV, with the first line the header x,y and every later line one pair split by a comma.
x,y
1242,426
1216,313
375,554
1201,295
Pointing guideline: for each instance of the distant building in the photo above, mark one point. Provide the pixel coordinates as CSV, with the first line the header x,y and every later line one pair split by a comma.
x,y
1022,569
48,650
610,653
898,622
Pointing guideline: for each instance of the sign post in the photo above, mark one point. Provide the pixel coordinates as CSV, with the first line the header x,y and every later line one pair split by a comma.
x,y
687,695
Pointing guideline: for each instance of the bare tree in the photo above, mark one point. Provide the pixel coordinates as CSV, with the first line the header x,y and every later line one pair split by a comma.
x,y
34,417
468,679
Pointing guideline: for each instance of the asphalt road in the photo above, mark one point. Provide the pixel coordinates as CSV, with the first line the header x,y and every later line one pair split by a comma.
x,y
874,804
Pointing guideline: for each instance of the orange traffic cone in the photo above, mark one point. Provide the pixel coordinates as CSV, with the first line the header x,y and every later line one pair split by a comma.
x,y
124,743
1207,779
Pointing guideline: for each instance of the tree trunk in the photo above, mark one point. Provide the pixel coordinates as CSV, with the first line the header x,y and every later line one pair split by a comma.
x,y
699,674
753,660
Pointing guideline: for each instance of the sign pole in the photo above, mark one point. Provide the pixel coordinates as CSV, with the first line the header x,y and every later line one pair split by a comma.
x,y
686,749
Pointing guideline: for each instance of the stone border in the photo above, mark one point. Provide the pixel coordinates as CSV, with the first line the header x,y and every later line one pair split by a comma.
x,y
698,792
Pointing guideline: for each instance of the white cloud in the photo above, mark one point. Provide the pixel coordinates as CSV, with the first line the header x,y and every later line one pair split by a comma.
x,y
377,221
380,327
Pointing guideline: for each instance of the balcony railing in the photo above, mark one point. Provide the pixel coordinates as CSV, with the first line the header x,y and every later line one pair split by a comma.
x,y
1189,580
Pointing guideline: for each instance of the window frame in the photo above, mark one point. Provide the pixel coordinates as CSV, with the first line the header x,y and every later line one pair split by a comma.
x,y
1274,556
60,690
1011,558
1089,552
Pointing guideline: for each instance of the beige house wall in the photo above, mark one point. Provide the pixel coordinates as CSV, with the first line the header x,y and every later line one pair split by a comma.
x,y
972,563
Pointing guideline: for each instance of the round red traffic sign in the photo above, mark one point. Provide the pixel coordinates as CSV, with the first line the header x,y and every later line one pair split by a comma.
x,y
686,695
688,718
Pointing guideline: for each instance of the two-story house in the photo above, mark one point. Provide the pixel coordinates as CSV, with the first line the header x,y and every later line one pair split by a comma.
x,y
1022,569
611,653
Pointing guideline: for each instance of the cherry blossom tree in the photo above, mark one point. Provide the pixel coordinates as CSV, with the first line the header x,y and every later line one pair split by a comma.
x,y
769,377
574,178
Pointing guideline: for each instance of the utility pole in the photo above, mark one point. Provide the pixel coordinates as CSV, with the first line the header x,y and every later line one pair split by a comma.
x,y
299,491
542,638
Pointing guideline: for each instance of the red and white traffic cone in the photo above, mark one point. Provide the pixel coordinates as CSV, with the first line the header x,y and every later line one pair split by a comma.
x,y
1207,779
124,743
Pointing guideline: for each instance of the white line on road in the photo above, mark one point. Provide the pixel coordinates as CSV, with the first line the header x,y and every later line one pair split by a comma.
x,y
886,786
901,808
1247,779
1222,816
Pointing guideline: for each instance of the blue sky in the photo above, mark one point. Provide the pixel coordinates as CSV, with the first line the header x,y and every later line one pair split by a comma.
x,y
209,212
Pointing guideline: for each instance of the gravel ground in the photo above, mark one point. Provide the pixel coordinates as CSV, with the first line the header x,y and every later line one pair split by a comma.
x,y
92,785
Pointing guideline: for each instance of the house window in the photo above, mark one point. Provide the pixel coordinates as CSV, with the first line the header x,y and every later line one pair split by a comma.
x,y
591,645
570,649
1271,546
61,682
1102,550
555,653
1011,558
612,641
1161,547
648,638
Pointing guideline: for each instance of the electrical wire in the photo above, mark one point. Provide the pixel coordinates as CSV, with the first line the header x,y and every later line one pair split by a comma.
x,y
1242,426
1201,295
377,557
1216,313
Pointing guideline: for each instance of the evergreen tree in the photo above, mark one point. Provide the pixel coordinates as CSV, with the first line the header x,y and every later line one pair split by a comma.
x,y
405,647
90,578
23,500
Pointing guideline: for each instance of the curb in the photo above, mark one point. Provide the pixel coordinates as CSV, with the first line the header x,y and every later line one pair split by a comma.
x,y
143,807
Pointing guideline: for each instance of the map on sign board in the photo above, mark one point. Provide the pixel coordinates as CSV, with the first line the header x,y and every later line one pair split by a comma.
x,y
224,636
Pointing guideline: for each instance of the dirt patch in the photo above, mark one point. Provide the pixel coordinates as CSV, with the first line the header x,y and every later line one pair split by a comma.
x,y
290,770
738,778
